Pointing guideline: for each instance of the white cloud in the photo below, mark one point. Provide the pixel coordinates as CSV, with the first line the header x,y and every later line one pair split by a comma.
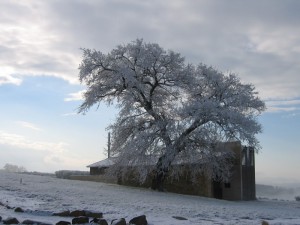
x,y
70,114
28,125
283,105
9,79
69,161
264,41
282,109
27,45
258,40
284,102
77,96
294,114
23,142
55,155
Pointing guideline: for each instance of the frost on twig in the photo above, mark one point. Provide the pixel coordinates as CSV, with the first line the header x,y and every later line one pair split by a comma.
x,y
169,110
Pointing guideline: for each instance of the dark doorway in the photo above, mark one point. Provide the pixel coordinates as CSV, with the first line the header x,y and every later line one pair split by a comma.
x,y
217,190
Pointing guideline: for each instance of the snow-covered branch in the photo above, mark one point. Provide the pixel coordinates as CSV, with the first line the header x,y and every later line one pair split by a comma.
x,y
168,109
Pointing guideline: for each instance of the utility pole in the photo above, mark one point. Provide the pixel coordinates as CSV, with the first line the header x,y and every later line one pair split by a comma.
x,y
108,145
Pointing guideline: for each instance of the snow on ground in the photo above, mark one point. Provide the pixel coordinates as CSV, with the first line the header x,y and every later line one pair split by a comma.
x,y
40,196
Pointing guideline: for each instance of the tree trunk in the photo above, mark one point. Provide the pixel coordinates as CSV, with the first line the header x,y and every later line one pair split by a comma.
x,y
158,181
160,173
162,168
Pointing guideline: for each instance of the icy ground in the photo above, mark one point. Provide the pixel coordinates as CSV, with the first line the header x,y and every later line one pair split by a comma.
x,y
42,195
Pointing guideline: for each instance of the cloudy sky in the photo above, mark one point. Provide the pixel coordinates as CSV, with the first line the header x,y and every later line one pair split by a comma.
x,y
40,52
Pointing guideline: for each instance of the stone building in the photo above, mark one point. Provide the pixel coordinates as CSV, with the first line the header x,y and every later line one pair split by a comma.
x,y
98,168
241,185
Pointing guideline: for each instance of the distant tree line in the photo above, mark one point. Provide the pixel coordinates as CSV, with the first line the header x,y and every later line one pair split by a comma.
x,y
66,174
14,168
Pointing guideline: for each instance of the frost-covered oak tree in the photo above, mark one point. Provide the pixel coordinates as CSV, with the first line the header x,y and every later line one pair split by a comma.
x,y
169,111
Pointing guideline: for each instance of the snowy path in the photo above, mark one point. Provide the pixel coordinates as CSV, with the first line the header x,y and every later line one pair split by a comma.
x,y
46,195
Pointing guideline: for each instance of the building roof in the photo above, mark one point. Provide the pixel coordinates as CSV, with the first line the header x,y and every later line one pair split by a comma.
x,y
104,163
151,160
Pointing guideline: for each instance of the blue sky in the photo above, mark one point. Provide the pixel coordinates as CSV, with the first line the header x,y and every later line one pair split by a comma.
x,y
40,52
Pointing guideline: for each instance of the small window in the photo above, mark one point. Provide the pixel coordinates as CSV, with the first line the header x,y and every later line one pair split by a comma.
x,y
227,185
244,160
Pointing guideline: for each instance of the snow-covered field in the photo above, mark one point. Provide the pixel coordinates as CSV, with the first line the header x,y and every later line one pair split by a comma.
x,y
40,196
